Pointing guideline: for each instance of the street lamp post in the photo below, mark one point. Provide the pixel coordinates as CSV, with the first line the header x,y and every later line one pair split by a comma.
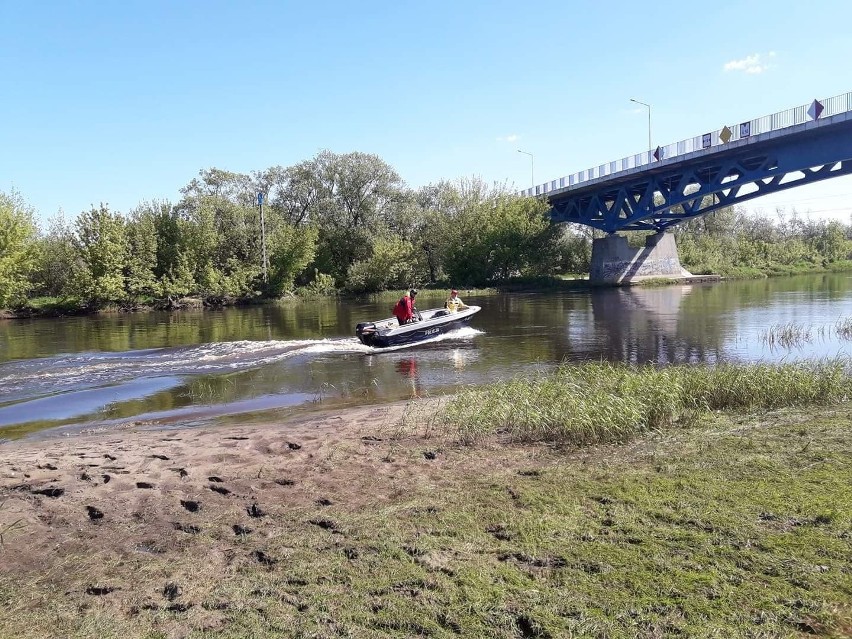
x,y
532,166
650,148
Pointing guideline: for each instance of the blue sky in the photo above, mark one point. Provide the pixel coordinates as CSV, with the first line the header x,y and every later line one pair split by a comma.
x,y
120,102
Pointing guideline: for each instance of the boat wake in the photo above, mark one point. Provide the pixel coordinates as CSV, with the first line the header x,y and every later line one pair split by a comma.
x,y
26,379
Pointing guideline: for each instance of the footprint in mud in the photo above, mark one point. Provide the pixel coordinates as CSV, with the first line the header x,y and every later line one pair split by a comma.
x,y
172,591
529,473
84,476
324,502
179,607
144,484
187,528
215,479
241,530
430,455
499,531
237,438
219,489
49,492
150,546
106,478
255,511
325,524
94,513
293,446
262,558
109,457
46,467
163,457
182,472
285,482
100,590
190,505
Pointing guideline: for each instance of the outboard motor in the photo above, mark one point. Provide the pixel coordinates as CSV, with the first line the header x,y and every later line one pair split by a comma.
x,y
366,332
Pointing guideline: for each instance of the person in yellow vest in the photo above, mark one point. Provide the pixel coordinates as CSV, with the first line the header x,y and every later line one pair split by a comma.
x,y
454,302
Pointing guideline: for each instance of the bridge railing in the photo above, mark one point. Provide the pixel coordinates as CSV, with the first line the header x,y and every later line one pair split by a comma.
x,y
774,122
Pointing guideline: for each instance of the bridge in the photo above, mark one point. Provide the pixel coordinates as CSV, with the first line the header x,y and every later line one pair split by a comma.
x,y
654,190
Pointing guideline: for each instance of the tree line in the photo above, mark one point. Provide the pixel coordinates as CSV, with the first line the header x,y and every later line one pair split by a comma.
x,y
343,223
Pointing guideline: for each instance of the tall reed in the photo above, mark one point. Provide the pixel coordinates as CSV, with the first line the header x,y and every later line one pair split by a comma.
x,y
605,402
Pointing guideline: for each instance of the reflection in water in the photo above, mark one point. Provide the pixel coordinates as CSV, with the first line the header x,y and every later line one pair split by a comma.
x,y
407,368
197,364
648,325
458,358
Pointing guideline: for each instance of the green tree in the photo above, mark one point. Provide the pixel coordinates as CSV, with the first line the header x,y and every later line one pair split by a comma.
x,y
101,243
490,233
357,197
393,264
17,249
139,277
574,245
177,242
291,249
57,259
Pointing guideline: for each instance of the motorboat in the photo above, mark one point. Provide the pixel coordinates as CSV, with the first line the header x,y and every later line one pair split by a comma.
x,y
435,321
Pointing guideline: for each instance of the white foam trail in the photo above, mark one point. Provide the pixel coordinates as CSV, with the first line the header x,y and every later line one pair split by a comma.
x,y
84,370
32,378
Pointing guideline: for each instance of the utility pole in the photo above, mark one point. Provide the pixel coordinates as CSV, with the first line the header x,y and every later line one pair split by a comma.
x,y
650,148
263,236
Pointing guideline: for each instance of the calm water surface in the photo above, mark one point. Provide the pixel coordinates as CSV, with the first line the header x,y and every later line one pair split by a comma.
x,y
242,364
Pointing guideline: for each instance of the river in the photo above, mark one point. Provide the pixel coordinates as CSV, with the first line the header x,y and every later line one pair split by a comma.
x,y
266,362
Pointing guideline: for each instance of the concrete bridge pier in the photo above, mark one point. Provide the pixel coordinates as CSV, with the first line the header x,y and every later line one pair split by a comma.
x,y
615,262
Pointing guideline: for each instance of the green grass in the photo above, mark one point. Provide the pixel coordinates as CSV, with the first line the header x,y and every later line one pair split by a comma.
x,y
51,307
740,528
603,402
843,328
731,517
658,281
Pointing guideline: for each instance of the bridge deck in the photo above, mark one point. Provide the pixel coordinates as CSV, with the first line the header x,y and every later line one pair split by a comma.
x,y
754,158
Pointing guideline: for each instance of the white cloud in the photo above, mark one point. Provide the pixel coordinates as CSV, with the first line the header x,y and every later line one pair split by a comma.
x,y
751,64
512,137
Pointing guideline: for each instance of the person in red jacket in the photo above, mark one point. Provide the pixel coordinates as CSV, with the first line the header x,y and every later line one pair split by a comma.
x,y
404,310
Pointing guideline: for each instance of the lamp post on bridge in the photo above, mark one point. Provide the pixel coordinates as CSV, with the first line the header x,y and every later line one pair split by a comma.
x,y
532,166
650,148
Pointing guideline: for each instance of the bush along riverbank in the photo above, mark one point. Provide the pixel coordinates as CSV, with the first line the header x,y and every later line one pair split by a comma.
x,y
316,238
599,501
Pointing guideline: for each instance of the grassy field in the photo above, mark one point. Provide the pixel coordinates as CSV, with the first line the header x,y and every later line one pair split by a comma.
x,y
729,515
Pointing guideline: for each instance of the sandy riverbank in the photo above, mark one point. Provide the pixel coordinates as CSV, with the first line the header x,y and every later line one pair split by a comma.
x,y
135,489
367,523
114,519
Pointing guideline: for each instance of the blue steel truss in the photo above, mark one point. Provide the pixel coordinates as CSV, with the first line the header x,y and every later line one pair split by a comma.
x,y
672,191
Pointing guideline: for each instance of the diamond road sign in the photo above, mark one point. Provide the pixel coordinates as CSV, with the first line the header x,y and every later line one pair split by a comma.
x,y
725,135
815,109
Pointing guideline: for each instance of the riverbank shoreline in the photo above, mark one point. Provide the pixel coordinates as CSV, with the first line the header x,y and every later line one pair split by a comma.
x,y
58,309
372,522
